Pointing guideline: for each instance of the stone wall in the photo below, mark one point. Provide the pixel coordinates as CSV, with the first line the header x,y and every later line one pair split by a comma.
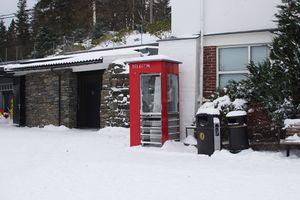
x,y
114,109
69,99
42,98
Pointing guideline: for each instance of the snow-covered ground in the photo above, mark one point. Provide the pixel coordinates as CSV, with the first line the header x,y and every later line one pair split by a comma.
x,y
56,163
133,38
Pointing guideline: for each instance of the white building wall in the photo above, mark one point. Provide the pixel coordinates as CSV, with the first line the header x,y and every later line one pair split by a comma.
x,y
184,51
239,15
239,39
222,16
185,17
218,17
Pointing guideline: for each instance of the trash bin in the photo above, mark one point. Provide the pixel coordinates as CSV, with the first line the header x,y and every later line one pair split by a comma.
x,y
237,131
208,132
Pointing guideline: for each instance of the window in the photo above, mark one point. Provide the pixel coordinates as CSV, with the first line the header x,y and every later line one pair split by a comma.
x,y
233,62
259,53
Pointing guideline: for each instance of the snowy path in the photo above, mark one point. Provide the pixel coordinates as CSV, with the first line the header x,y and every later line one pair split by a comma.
x,y
62,164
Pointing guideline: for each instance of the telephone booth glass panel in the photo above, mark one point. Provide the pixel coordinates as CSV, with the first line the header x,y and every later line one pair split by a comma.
x,y
173,107
172,93
150,93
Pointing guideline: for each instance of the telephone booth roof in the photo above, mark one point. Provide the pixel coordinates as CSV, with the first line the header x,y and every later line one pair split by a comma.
x,y
152,58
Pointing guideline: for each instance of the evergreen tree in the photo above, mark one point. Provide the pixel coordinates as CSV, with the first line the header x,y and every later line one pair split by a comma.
x,y
115,14
99,30
275,84
162,10
44,43
22,28
3,41
11,41
63,18
83,25
140,12
73,19
285,53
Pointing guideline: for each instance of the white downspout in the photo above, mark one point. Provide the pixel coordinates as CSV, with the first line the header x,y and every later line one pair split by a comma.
x,y
197,74
200,98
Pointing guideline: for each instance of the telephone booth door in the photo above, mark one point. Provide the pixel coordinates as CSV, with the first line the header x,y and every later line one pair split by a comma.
x,y
154,102
150,109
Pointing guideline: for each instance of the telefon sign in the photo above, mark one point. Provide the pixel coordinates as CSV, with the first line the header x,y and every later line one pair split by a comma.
x,y
141,66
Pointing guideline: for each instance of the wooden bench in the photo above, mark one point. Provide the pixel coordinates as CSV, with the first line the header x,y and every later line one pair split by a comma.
x,y
292,137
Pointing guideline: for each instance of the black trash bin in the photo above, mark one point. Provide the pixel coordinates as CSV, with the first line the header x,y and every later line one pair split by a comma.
x,y
208,133
237,131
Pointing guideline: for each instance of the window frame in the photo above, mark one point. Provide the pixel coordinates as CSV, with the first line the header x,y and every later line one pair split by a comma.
x,y
219,72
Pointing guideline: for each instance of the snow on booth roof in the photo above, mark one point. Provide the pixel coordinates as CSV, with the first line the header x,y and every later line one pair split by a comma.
x,y
152,58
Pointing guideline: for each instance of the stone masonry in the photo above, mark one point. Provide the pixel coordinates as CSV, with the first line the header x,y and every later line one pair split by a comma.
x,y
114,109
42,98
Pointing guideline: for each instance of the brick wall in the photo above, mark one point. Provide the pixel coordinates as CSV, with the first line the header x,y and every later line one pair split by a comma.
x,y
209,70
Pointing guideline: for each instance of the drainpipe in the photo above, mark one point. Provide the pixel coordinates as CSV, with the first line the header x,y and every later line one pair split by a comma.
x,y
59,95
197,74
200,98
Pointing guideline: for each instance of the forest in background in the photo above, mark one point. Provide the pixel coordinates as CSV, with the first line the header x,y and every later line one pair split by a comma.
x,y
59,24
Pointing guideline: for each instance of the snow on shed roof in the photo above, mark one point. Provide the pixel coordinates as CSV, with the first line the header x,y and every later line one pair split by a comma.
x,y
71,60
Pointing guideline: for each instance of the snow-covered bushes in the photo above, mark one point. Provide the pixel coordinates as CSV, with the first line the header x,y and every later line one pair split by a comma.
x,y
273,86
224,104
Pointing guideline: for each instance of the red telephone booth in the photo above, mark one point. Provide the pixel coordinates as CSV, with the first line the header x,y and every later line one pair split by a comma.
x,y
154,100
